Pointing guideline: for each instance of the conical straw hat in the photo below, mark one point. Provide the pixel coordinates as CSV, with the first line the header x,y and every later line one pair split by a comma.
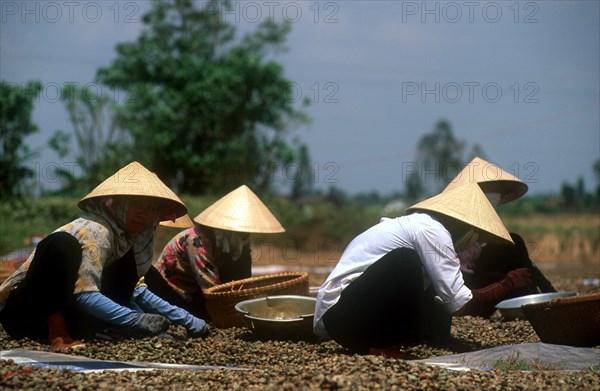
x,y
241,211
491,179
469,205
135,180
181,222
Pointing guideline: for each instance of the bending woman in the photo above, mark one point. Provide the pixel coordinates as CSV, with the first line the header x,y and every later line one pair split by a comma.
x,y
400,282
83,276
215,250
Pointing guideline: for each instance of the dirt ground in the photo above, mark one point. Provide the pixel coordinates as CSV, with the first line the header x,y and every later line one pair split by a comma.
x,y
317,365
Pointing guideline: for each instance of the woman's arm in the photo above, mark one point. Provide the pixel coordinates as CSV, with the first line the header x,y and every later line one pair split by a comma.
x,y
149,302
490,295
103,308
202,263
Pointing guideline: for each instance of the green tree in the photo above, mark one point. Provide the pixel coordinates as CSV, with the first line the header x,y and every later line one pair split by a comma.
x,y
596,168
440,159
336,196
16,107
476,151
206,110
101,146
302,184
413,187
574,197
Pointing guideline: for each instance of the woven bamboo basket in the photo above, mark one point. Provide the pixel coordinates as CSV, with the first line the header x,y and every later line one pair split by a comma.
x,y
573,321
221,299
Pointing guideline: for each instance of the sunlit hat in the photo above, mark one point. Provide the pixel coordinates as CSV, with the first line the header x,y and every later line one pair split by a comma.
x,y
491,179
181,222
241,211
469,205
135,180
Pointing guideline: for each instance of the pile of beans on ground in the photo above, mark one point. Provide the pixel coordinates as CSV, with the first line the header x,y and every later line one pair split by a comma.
x,y
287,365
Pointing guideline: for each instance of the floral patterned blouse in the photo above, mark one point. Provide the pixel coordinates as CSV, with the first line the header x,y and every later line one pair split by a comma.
x,y
188,262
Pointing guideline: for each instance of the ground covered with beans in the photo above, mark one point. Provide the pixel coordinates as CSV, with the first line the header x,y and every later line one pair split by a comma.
x,y
288,365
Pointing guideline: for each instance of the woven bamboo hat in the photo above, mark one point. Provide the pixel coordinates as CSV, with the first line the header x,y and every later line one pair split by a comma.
x,y
181,222
242,211
491,179
135,180
469,205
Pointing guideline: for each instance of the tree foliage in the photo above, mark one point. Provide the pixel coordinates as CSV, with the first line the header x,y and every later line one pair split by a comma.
x,y
413,186
302,184
576,198
101,145
16,107
206,110
596,168
440,159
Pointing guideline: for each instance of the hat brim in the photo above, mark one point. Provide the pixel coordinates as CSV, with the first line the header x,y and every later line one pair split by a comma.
x,y
491,179
182,222
469,205
135,180
240,211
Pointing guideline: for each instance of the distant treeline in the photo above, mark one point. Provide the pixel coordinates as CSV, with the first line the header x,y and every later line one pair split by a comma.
x,y
324,220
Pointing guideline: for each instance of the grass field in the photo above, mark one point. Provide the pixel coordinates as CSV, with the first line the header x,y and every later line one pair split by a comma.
x,y
319,238
564,238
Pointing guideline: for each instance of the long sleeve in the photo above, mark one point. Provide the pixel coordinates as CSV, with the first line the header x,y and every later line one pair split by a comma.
x,y
103,308
435,249
205,270
151,303
485,298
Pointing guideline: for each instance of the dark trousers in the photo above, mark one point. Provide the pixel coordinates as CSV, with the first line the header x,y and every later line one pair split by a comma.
x,y
387,305
46,289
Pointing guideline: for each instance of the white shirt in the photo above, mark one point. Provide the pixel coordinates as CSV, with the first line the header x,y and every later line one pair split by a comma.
x,y
418,232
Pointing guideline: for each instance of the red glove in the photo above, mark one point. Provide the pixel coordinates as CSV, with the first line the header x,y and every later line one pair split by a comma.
x,y
518,278
484,299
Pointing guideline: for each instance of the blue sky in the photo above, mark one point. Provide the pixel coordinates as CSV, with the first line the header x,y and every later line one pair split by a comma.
x,y
519,78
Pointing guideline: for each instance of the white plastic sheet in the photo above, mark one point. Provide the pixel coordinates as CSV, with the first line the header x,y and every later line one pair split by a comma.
x,y
54,360
548,356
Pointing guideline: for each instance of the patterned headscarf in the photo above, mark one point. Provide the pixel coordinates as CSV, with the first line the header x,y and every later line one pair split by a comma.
x,y
114,211
230,242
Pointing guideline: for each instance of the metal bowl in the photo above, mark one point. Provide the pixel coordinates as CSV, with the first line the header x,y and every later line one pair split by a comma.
x,y
511,308
279,317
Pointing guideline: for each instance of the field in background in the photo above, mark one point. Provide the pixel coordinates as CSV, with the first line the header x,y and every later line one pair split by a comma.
x,y
318,234
552,238
559,238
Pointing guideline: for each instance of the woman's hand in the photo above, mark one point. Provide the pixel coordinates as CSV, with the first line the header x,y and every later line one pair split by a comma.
x,y
150,324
